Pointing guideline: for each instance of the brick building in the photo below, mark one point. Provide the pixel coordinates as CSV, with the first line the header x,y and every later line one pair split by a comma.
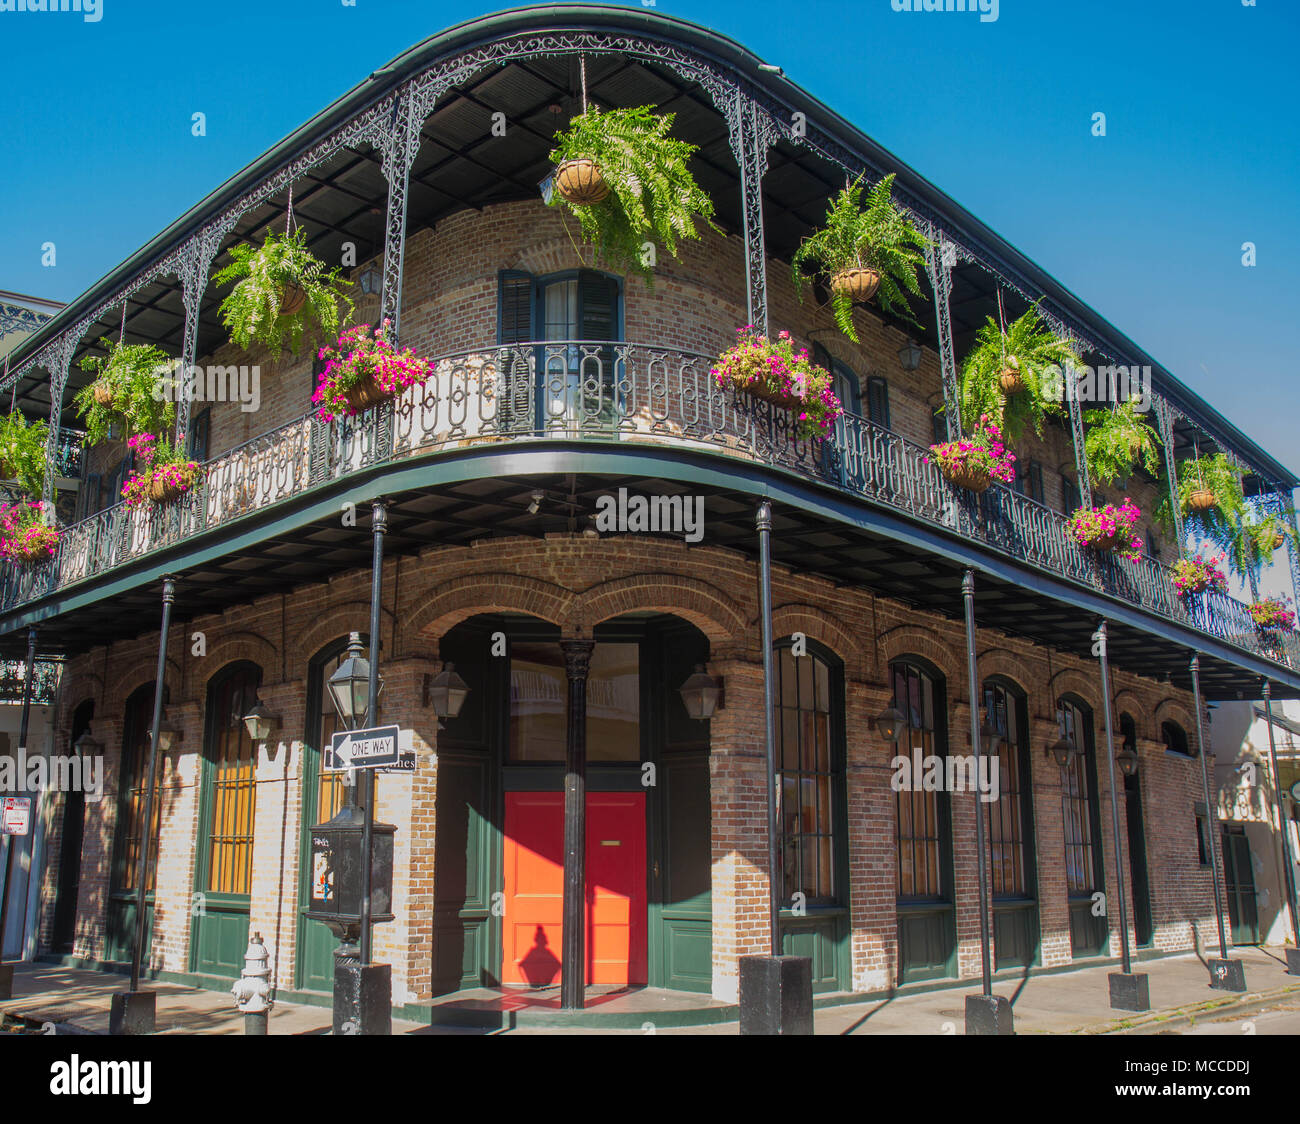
x,y
556,384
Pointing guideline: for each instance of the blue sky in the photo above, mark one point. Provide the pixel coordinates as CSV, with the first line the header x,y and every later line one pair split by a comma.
x,y
1145,224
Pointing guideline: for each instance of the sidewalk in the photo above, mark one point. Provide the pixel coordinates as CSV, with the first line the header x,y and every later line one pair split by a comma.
x,y
1070,1002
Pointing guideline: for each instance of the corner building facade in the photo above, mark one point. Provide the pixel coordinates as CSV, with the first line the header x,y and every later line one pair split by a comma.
x,y
556,384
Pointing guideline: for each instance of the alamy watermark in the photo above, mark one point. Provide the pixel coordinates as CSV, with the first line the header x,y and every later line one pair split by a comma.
x,y
214,383
56,773
92,11
987,9
930,772
1100,384
683,515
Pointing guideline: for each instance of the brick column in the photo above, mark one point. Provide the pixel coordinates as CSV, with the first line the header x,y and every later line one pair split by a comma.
x,y
1049,832
737,772
871,831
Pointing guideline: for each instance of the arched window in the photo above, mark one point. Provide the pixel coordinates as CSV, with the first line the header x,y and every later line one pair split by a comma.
x,y
923,833
1128,732
1079,809
232,790
1011,832
1175,739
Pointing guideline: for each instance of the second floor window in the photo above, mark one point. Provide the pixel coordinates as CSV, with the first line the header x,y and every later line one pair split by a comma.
x,y
878,401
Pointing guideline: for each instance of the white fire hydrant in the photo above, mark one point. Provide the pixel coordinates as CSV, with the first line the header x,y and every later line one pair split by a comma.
x,y
252,991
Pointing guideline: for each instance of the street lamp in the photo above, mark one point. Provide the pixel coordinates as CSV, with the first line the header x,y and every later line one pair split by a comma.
x,y
889,723
701,694
446,692
258,721
349,686
1062,749
909,355
87,746
168,732
1128,761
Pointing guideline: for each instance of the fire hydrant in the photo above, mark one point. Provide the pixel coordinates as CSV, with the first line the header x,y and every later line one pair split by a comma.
x,y
252,990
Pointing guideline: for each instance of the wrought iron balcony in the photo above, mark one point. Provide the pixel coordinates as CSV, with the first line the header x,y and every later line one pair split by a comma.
x,y
68,452
45,681
617,392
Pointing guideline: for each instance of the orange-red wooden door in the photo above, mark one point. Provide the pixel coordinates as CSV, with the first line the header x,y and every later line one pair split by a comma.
x,y
615,913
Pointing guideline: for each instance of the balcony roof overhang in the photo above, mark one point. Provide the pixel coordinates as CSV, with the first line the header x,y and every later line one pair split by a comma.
x,y
465,496
795,190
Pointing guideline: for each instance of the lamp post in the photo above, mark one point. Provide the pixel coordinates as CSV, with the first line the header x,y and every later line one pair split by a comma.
x,y
11,841
1129,990
1225,974
1284,830
986,1013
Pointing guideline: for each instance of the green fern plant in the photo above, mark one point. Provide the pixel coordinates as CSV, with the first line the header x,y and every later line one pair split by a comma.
x,y
135,374
1217,524
22,452
1042,360
880,237
1119,441
254,310
653,196
1250,545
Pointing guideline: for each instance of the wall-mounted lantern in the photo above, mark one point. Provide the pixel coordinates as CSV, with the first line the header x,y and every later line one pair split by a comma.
x,y
702,694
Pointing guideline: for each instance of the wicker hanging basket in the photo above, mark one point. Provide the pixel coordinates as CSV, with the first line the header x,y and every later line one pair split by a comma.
x,y
364,395
580,182
1278,540
1202,500
103,394
964,476
1009,378
859,284
163,491
292,298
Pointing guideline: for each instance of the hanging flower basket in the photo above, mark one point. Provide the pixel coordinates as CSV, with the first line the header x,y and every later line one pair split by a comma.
x,y
24,537
103,394
164,476
1278,540
857,284
581,183
1199,575
1110,528
1272,616
776,373
362,370
975,461
1202,500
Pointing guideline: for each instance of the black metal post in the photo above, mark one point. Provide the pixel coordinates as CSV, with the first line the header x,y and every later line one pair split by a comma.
x,y
1212,820
1115,794
1284,828
11,841
142,869
968,596
764,524
573,975
378,528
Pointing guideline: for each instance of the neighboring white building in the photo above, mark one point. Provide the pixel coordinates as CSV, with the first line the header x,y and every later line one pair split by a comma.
x,y
1247,810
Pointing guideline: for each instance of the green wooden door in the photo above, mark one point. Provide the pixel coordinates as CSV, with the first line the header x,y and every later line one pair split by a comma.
x,y
1239,878
223,870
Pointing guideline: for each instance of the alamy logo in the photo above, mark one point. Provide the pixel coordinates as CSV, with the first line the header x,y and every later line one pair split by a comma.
x,y
57,773
92,11
683,515
929,772
988,9
211,384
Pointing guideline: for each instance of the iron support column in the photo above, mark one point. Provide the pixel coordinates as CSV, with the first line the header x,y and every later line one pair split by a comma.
x,y
1212,820
573,961
764,524
1283,827
940,257
11,841
972,681
378,527
1115,794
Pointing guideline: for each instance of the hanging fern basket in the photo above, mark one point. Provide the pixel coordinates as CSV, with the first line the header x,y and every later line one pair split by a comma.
x,y
1009,378
103,395
1278,540
859,284
1202,500
292,298
581,183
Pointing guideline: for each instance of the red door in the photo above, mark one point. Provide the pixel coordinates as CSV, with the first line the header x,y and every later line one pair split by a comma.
x,y
615,912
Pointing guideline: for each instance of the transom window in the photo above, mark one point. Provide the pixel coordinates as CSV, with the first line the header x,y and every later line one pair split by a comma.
x,y
1175,738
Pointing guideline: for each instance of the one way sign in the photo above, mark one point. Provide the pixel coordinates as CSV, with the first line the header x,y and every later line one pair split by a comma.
x,y
364,749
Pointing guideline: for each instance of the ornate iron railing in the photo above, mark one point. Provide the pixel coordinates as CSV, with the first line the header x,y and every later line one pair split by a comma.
x,y
45,681
616,392
67,453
